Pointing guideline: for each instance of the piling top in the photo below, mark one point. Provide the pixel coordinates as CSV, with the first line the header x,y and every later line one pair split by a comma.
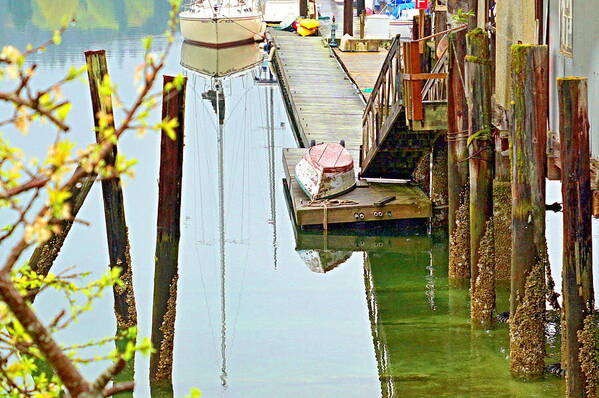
x,y
568,78
95,52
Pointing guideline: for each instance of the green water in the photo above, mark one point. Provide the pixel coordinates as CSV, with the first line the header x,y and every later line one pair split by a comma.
x,y
423,340
256,314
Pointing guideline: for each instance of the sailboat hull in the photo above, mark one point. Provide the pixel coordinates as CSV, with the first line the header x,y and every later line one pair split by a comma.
x,y
222,32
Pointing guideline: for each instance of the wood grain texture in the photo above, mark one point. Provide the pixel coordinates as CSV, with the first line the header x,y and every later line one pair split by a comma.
x,y
528,140
577,271
478,91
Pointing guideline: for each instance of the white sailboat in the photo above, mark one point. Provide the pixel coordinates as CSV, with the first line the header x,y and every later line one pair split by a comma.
x,y
222,23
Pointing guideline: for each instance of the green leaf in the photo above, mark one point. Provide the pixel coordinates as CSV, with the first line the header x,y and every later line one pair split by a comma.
x,y
178,81
194,393
63,111
147,43
57,37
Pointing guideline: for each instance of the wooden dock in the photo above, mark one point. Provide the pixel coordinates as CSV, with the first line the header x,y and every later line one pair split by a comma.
x,y
363,68
325,100
409,203
322,103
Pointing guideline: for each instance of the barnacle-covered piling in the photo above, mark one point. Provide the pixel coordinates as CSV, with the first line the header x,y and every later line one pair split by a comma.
x,y
112,192
457,166
481,154
439,182
167,237
578,349
528,142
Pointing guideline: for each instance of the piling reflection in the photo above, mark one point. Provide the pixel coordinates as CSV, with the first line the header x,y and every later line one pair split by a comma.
x,y
422,338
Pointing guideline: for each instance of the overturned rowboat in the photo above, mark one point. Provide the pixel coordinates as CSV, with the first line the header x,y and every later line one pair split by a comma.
x,y
326,171
323,261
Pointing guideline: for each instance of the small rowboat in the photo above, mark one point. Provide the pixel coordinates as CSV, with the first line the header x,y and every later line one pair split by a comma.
x,y
326,171
323,261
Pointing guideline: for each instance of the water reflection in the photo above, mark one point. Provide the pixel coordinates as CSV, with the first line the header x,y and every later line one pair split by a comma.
x,y
217,68
104,23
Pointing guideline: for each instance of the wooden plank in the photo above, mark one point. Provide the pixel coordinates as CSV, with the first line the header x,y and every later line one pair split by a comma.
x,y
410,202
317,92
362,67
424,76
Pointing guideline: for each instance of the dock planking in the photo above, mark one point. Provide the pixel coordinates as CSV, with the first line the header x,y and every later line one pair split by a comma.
x,y
410,201
362,67
322,95
322,101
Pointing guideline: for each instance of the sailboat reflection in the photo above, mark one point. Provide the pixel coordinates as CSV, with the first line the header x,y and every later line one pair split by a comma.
x,y
218,68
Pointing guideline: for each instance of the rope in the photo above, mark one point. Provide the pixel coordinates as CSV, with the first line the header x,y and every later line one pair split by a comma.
x,y
457,136
329,203
249,30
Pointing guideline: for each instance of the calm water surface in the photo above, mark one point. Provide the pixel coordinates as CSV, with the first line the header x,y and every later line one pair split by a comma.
x,y
256,316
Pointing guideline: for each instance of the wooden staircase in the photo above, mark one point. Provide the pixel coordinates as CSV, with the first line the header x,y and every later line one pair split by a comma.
x,y
405,114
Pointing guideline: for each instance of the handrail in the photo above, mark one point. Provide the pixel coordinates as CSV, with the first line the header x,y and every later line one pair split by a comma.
x,y
393,50
440,65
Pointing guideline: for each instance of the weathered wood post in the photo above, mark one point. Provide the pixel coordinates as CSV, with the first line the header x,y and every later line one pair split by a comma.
x,y
529,250
457,165
348,17
303,8
439,180
114,207
480,143
45,253
167,236
361,7
577,272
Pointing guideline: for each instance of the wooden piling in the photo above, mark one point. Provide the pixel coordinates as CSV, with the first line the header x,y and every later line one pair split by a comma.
x,y
167,237
303,8
472,21
362,24
439,181
480,144
114,207
529,249
348,17
457,164
361,7
577,271
45,253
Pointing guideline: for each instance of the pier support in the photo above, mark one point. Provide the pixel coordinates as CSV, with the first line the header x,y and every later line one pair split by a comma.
x,y
578,329
45,253
480,144
167,238
529,248
348,17
439,181
457,165
114,208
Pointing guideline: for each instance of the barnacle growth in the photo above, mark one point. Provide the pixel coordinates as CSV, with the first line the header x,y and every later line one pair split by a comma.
x,y
527,327
459,247
502,229
482,302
